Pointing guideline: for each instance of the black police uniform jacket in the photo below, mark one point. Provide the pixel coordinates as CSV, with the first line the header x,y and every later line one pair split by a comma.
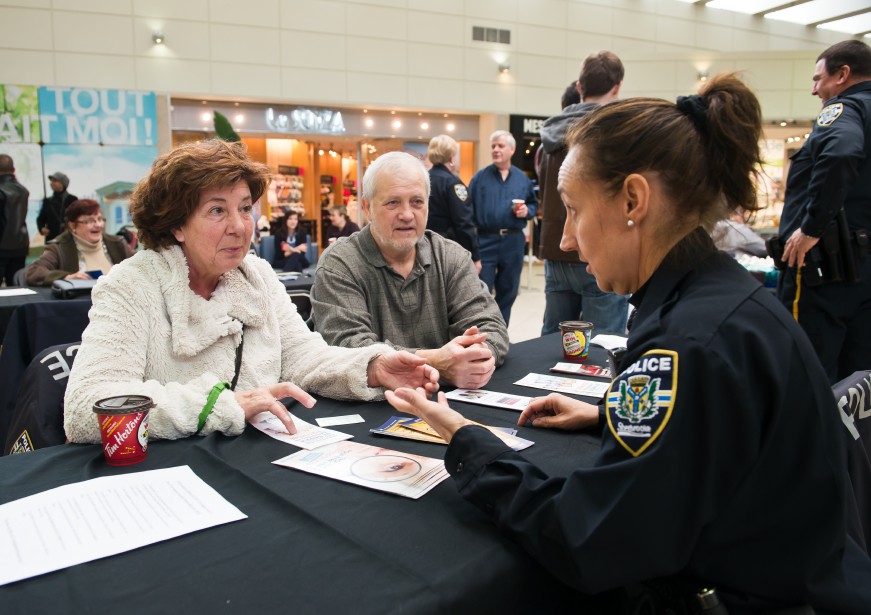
x,y
450,209
723,458
833,168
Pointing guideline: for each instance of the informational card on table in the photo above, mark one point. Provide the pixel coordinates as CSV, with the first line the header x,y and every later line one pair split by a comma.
x,y
564,385
307,436
90,520
582,369
331,421
490,398
404,474
417,429
16,292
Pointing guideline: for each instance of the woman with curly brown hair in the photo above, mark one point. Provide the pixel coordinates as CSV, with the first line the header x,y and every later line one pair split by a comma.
x,y
201,327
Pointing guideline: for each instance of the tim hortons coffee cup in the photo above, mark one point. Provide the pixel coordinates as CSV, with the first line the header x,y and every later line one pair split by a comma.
x,y
576,339
517,204
124,428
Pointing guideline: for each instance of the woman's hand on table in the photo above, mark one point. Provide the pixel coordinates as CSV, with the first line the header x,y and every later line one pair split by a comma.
x,y
393,370
266,399
439,416
78,275
557,411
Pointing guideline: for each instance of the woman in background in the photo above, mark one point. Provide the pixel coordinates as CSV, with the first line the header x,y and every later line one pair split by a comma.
x,y
291,244
83,247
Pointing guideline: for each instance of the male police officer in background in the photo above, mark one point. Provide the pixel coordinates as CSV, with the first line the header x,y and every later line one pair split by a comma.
x,y
827,216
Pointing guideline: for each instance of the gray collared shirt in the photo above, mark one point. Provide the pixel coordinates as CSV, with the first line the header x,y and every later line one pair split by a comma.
x,y
358,299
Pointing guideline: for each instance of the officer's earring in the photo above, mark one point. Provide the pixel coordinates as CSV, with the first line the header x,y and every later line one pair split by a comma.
x,y
630,223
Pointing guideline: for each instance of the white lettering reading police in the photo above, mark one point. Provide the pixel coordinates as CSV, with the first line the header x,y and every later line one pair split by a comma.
x,y
650,364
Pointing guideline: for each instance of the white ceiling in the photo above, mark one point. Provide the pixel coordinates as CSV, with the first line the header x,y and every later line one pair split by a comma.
x,y
848,16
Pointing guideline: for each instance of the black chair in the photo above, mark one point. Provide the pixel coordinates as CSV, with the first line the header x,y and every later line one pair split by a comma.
x,y
18,278
853,395
303,304
38,418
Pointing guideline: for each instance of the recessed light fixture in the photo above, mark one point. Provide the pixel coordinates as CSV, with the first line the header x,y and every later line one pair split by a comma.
x,y
369,122
504,68
424,126
158,38
702,75
397,124
450,127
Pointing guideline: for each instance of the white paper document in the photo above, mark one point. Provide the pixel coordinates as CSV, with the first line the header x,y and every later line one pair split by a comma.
x,y
404,474
490,398
611,342
564,385
105,516
307,436
16,292
331,421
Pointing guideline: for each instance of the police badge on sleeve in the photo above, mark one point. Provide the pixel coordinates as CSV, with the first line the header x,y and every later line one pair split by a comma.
x,y
640,400
830,113
461,192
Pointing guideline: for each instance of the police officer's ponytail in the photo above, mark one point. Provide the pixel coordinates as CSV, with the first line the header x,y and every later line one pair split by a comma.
x,y
703,148
733,127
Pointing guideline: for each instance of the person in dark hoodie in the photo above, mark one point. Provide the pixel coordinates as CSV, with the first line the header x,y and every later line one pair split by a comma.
x,y
51,220
570,292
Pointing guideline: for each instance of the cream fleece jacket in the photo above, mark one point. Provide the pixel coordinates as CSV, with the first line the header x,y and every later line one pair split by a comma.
x,y
150,334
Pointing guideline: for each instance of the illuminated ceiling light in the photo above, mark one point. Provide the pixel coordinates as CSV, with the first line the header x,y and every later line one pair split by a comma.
x,y
320,152
370,122
783,123
504,68
532,144
397,124
424,126
240,119
158,38
702,75
450,127
207,117
446,115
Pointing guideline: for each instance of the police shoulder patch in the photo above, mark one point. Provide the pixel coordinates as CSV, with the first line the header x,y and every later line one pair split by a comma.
x,y
461,191
640,400
829,114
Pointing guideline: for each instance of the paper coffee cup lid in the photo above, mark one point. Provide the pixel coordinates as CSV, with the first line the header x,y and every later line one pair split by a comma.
x,y
123,404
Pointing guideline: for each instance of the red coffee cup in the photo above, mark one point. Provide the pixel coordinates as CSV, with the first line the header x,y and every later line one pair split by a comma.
x,y
576,339
518,203
124,428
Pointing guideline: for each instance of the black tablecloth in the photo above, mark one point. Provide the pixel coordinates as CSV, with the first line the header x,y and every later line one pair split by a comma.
x,y
310,544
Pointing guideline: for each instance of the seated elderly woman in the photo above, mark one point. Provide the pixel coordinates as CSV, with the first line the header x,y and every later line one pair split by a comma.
x,y
201,327
83,247
722,463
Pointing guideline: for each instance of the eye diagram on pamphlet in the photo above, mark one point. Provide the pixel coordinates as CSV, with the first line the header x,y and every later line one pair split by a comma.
x,y
307,436
564,385
382,469
490,398
417,429
89,520
582,369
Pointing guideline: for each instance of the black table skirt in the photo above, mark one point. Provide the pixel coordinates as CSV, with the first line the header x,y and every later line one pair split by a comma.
x,y
310,544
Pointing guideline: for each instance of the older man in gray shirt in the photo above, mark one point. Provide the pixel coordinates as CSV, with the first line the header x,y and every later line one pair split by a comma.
x,y
398,283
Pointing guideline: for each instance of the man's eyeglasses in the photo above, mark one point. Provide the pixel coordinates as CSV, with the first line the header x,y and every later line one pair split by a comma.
x,y
91,221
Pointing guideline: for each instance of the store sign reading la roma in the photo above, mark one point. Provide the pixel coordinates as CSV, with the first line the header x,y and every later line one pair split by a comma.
x,y
306,120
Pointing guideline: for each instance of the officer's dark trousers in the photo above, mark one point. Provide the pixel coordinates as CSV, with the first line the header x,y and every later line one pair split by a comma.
x,y
836,318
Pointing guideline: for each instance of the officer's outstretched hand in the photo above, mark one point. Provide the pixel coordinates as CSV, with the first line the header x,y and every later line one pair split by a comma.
x,y
559,412
439,415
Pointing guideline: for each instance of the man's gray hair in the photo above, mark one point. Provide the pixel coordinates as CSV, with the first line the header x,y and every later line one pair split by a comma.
x,y
390,163
505,135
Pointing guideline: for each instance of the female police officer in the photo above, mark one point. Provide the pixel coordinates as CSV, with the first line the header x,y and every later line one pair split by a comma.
x,y
722,460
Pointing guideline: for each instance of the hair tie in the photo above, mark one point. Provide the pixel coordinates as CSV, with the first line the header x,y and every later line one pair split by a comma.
x,y
694,107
